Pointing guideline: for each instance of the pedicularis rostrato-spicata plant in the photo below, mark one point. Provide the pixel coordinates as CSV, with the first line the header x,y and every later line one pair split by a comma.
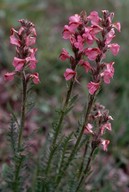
x,y
63,162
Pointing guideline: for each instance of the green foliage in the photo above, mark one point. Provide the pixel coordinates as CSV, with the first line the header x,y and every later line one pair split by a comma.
x,y
13,135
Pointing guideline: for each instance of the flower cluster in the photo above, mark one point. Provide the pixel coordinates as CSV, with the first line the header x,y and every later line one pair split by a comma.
x,y
90,38
101,119
25,58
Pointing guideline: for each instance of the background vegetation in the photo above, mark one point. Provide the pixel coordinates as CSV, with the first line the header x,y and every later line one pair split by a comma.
x,y
49,18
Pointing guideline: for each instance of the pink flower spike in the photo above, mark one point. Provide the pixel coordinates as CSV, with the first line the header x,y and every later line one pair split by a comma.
x,y
105,126
86,65
114,48
69,74
94,17
117,26
64,55
35,78
14,39
93,87
18,63
92,53
88,129
9,76
105,144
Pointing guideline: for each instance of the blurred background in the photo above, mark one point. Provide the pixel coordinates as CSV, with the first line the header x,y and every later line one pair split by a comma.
x,y
49,18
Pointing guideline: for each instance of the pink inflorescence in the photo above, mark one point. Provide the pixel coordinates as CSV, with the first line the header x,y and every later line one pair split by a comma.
x,y
25,58
90,38
100,119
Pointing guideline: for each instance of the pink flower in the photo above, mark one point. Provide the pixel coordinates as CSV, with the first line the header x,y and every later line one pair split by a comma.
x,y
79,43
14,39
108,72
32,52
105,144
110,117
68,31
73,27
93,87
96,29
75,19
88,129
72,40
35,78
88,35
33,31
64,55
92,53
105,126
69,74
86,65
117,26
30,40
9,76
109,16
32,62
18,63
114,48
21,30
94,17
110,36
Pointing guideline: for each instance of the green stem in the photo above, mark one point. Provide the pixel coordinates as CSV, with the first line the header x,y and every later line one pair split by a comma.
x,y
16,177
91,100
18,157
86,169
24,92
83,159
59,124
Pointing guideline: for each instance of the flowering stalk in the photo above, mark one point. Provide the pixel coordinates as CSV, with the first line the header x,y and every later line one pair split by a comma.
x,y
70,32
24,60
87,30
